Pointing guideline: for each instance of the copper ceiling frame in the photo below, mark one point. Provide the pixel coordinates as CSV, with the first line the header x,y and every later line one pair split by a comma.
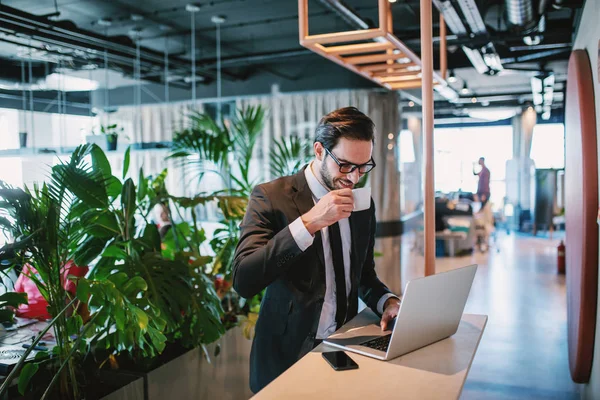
x,y
375,53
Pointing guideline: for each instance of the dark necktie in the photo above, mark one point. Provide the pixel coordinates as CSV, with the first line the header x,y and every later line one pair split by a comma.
x,y
335,240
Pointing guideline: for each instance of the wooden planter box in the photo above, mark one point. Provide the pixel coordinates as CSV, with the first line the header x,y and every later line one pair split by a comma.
x,y
190,376
134,390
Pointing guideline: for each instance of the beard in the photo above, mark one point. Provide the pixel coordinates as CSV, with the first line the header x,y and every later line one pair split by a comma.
x,y
330,182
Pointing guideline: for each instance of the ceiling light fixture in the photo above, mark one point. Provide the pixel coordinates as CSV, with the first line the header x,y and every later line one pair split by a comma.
x,y
218,19
104,22
192,8
451,17
473,100
542,89
476,59
411,103
451,77
492,114
473,16
465,89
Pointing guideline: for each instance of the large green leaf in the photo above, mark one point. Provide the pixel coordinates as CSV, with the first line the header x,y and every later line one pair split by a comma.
x,y
126,161
83,290
151,237
113,187
114,251
28,371
135,285
13,299
100,162
88,250
100,223
142,186
128,206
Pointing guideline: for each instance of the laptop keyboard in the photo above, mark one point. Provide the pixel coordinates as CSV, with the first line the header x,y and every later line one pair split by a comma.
x,y
381,343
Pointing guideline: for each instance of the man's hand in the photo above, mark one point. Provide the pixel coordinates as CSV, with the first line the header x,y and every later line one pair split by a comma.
x,y
332,207
391,308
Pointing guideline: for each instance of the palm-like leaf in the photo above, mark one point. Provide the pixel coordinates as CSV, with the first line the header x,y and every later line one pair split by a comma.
x,y
289,155
247,127
46,230
205,144
205,138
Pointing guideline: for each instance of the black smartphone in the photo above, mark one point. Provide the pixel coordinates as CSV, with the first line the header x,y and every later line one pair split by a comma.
x,y
339,360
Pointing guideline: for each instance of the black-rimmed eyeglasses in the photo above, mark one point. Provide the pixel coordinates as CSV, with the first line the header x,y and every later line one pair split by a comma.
x,y
347,168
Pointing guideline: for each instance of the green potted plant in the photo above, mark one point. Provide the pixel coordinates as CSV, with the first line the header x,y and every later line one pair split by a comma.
x,y
46,224
112,135
138,300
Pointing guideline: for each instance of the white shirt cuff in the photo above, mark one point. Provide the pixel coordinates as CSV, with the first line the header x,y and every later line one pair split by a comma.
x,y
300,234
382,301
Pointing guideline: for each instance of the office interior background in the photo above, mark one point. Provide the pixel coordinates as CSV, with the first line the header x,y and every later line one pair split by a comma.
x,y
77,71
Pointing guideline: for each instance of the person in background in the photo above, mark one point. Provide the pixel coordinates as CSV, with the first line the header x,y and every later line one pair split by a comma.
x,y
302,241
483,187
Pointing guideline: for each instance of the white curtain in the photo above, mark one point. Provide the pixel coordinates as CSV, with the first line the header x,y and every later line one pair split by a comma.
x,y
298,115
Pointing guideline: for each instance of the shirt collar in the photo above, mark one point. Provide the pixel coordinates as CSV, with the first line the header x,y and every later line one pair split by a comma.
x,y
317,189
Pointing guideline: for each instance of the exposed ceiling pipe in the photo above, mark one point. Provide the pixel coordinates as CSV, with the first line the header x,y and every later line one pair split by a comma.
x,y
346,13
14,21
543,6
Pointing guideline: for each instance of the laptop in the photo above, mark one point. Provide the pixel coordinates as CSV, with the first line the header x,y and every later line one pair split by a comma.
x,y
431,310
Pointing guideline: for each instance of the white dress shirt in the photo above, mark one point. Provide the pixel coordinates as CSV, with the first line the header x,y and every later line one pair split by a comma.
x,y
304,239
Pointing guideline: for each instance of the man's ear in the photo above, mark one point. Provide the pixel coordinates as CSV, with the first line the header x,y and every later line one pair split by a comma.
x,y
319,150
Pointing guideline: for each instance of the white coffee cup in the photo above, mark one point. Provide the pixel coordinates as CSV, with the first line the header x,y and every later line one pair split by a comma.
x,y
362,198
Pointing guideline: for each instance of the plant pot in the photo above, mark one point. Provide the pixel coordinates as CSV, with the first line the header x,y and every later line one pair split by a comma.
x,y
111,142
23,139
132,386
100,385
190,376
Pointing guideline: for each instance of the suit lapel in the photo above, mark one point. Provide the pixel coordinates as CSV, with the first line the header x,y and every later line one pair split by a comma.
x,y
303,200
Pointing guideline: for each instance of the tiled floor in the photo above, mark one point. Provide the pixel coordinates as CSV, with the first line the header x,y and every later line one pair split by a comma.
x,y
523,352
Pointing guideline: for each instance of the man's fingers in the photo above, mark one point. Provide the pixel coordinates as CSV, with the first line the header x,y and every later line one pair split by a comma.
x,y
344,192
384,321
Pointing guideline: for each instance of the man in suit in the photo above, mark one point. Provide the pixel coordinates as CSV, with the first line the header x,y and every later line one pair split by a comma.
x,y
301,241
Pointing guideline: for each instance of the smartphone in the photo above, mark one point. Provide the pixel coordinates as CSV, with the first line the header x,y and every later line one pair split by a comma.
x,y
339,360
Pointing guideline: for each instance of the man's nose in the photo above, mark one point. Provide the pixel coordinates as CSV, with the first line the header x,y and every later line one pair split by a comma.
x,y
354,176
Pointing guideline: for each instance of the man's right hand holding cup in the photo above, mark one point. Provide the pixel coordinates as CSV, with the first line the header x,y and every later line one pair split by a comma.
x,y
334,206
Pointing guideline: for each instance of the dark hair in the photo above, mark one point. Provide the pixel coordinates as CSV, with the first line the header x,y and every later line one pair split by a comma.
x,y
345,122
482,159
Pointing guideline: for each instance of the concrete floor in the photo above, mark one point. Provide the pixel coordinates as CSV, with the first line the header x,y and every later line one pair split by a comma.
x,y
523,352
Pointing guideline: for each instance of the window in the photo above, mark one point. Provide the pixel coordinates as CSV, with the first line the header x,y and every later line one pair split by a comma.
x,y
457,151
54,132
548,146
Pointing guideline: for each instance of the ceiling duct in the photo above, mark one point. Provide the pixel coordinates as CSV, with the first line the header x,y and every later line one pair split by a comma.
x,y
520,15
